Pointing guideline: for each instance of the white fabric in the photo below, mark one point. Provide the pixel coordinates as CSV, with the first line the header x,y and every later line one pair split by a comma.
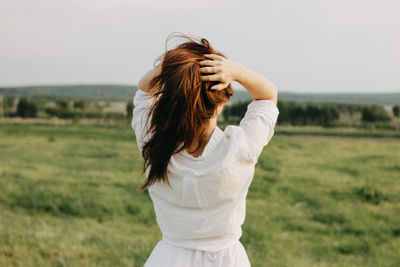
x,y
168,255
205,207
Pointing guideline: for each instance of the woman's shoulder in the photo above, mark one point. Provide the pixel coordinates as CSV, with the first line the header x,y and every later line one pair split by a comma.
x,y
235,139
234,133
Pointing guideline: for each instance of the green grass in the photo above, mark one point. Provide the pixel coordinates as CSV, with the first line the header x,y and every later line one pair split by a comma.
x,y
337,131
68,197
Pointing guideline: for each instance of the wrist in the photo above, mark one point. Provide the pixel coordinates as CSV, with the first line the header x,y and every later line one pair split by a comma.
x,y
239,71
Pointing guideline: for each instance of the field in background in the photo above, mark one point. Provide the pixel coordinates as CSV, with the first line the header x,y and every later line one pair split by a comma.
x,y
112,105
68,198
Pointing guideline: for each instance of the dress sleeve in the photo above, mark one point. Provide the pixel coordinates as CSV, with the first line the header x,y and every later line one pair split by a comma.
x,y
142,102
258,125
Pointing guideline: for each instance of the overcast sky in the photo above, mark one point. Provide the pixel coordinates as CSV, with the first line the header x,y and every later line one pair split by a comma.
x,y
300,45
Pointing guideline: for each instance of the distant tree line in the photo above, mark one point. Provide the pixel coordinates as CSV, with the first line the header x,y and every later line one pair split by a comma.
x,y
290,112
61,108
324,114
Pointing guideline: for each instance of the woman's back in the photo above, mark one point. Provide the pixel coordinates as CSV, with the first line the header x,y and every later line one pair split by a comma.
x,y
204,207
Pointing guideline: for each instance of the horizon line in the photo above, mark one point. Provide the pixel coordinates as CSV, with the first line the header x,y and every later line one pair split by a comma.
x,y
235,88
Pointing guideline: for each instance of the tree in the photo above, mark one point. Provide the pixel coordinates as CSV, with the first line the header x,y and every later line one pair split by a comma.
x,y
129,109
235,112
396,110
80,104
51,111
297,114
8,105
239,109
374,113
313,114
62,103
283,107
26,108
329,114
226,112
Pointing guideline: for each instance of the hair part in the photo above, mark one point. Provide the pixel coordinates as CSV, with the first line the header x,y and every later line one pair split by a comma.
x,y
182,106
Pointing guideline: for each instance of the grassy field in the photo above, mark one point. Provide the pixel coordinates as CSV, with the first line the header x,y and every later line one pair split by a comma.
x,y
337,131
68,197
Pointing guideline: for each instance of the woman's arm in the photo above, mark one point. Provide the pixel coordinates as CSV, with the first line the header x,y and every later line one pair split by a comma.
x,y
144,82
258,86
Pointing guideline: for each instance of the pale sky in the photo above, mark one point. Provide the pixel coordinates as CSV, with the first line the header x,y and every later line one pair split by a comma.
x,y
300,45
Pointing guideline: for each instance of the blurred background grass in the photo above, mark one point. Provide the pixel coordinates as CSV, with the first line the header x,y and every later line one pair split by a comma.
x,y
68,197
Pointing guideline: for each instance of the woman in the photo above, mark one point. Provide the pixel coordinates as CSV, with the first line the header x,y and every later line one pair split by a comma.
x,y
198,175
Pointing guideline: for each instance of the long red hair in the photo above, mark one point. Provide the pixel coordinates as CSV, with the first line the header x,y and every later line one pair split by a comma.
x,y
183,105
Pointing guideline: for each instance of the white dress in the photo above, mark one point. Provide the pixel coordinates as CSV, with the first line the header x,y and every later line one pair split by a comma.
x,y
201,214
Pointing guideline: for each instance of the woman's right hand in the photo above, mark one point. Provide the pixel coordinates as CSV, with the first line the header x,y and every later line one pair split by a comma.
x,y
224,70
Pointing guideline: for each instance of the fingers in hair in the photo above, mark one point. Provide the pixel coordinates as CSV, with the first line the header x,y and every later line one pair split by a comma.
x,y
214,77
